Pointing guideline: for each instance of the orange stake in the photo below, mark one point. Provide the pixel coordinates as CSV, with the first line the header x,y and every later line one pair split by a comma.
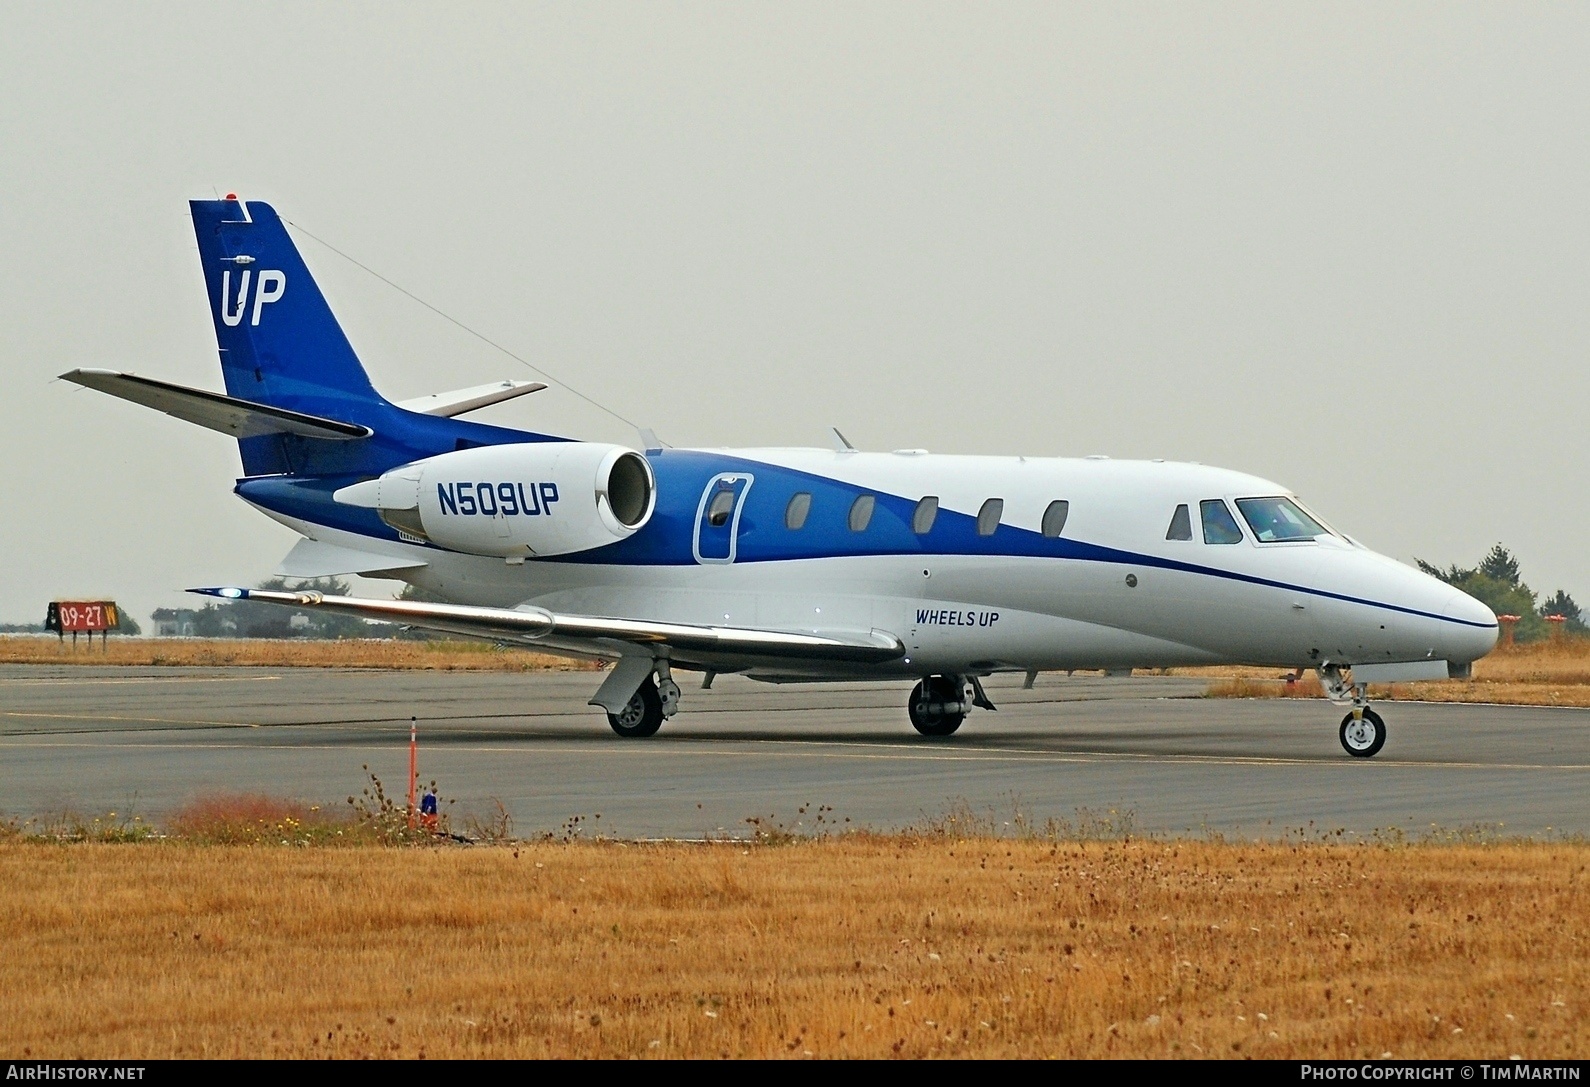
x,y
414,768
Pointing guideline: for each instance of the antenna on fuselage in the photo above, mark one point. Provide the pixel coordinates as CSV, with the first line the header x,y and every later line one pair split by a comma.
x,y
841,443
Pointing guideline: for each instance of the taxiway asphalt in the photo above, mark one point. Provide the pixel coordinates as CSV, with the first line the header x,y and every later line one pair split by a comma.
x,y
1145,751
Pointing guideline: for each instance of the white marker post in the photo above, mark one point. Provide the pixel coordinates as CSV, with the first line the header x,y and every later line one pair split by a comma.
x,y
414,767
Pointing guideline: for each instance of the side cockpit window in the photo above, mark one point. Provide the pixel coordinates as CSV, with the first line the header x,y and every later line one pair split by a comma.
x,y
1219,526
1180,524
927,511
1054,518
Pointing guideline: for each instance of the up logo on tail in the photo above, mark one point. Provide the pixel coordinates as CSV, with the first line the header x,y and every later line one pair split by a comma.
x,y
270,286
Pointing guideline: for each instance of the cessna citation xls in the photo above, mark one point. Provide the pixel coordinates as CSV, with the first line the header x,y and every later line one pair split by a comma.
x,y
778,564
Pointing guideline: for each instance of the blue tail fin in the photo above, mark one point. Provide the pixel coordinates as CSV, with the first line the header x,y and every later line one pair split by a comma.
x,y
280,344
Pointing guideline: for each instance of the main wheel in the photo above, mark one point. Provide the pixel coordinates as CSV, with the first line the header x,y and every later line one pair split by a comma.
x,y
930,706
643,716
1365,736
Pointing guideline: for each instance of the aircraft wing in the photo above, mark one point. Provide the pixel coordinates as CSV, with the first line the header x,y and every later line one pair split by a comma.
x,y
227,414
599,635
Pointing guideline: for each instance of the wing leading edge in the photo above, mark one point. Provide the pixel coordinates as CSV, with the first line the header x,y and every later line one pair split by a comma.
x,y
601,636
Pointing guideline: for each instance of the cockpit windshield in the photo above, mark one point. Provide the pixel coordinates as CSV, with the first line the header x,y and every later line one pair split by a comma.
x,y
1278,519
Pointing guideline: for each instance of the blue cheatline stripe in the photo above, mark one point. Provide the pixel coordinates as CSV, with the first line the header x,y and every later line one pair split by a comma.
x,y
1112,555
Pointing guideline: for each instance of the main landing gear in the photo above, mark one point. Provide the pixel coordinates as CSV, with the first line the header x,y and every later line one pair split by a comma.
x,y
1363,733
938,704
654,700
644,714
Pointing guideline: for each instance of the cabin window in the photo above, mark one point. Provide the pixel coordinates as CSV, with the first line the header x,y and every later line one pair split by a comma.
x,y
795,513
1180,524
988,517
1275,519
1219,526
1054,518
719,508
861,512
927,511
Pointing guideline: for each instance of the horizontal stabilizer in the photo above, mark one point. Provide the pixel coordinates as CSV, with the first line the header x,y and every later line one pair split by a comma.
x,y
459,401
227,414
312,558
595,635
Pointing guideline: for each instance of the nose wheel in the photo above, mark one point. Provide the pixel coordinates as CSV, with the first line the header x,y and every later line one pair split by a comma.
x,y
1363,733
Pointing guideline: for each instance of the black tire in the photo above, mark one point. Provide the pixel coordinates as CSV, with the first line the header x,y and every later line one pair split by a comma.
x,y
926,706
1363,741
643,716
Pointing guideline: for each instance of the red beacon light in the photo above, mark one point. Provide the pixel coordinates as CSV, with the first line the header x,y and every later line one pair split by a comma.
x,y
231,196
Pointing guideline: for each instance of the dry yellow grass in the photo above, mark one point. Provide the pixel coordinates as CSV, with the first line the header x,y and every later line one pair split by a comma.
x,y
1554,673
272,653
858,946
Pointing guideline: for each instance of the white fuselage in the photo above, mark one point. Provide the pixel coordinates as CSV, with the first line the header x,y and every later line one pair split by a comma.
x,y
1124,596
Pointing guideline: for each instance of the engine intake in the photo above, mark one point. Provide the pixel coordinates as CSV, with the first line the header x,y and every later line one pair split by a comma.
x,y
543,498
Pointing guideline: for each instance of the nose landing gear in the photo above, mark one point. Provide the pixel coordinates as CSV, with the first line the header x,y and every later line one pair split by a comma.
x,y
1363,733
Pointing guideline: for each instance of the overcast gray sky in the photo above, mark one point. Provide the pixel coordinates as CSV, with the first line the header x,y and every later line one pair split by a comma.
x,y
1343,247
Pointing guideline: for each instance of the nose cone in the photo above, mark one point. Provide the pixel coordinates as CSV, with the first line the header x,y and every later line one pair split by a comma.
x,y
1472,632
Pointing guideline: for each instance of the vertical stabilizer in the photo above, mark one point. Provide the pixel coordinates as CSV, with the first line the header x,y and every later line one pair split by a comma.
x,y
280,343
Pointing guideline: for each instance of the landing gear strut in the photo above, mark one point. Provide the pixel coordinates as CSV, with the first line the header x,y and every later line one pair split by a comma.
x,y
1363,733
938,705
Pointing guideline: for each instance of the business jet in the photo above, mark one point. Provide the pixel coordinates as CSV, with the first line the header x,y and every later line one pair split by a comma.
x,y
780,564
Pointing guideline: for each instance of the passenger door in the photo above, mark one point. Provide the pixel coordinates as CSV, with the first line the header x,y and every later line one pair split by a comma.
x,y
718,517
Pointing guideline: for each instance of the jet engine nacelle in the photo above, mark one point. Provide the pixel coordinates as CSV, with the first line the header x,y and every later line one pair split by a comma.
x,y
542,498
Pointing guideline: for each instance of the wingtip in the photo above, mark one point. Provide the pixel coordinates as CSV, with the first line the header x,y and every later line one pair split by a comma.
x,y
226,592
